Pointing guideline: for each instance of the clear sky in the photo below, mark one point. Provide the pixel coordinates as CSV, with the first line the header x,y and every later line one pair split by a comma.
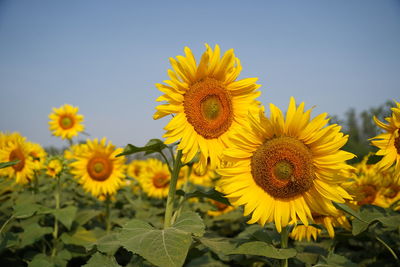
x,y
106,56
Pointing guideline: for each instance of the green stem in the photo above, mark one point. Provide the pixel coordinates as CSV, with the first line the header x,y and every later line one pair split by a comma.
x,y
172,189
70,142
284,244
57,195
166,161
182,198
108,214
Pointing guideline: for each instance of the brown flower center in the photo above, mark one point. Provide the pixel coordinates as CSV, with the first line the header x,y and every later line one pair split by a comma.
x,y
66,122
368,193
17,154
283,167
161,180
208,108
100,168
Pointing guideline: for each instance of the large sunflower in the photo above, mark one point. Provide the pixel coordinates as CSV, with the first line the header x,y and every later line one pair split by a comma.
x,y
389,142
15,147
98,169
208,102
284,169
65,122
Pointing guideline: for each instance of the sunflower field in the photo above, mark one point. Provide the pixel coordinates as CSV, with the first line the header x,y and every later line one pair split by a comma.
x,y
232,183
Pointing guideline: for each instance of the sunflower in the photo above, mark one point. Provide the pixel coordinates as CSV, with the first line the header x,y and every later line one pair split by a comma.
x,y
66,122
98,169
208,101
301,232
389,142
202,177
74,151
370,184
281,170
15,147
219,209
155,178
54,167
38,155
135,167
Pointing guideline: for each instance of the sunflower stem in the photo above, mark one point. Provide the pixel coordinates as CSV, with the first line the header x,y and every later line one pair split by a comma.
x,y
182,198
167,162
284,244
172,189
57,195
108,214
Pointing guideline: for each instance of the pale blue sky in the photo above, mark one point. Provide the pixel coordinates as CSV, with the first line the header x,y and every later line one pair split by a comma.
x,y
106,56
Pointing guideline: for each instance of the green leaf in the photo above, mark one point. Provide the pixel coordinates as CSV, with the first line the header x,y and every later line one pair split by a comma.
x,y
8,240
66,215
154,145
371,214
259,248
212,194
219,245
8,164
99,259
25,210
348,210
307,257
108,244
41,260
334,260
32,233
190,222
83,216
81,237
167,247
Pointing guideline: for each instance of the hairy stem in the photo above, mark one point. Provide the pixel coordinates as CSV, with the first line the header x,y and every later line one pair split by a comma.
x,y
172,189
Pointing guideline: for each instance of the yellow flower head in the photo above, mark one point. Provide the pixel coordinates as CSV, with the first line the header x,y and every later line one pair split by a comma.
x,y
202,177
389,142
208,102
301,232
219,209
155,178
282,169
135,167
38,155
65,122
15,147
98,169
371,184
54,167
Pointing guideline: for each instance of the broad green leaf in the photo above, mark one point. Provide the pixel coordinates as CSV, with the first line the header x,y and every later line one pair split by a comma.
x,y
371,214
259,248
25,210
390,221
212,194
83,216
190,222
334,260
205,261
8,164
219,245
108,244
154,145
8,240
32,233
99,259
307,257
81,237
41,260
66,215
348,210
167,247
